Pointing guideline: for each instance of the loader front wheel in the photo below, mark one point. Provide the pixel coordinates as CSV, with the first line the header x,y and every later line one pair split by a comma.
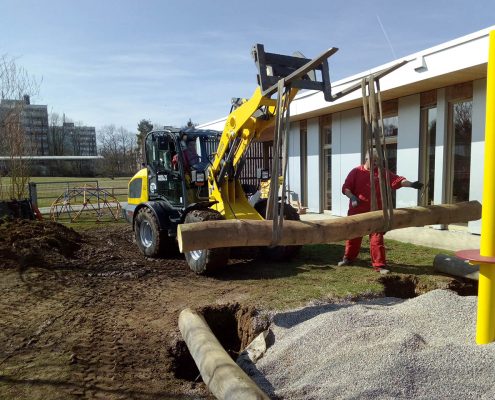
x,y
206,261
150,240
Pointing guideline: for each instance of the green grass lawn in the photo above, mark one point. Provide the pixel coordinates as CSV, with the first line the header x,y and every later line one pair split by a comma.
x,y
108,182
315,276
49,188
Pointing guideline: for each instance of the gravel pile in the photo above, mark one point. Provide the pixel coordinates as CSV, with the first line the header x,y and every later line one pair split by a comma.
x,y
422,348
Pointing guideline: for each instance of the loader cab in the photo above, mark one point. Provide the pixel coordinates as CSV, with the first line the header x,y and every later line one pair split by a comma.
x,y
164,180
177,163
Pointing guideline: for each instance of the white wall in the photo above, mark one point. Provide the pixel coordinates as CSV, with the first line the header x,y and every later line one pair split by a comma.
x,y
294,167
408,148
477,148
346,154
314,170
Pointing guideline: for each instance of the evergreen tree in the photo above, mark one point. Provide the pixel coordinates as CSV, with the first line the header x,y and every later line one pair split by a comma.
x,y
144,126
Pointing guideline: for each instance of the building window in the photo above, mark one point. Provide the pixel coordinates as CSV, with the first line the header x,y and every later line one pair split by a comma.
x,y
326,157
390,111
428,136
391,132
459,152
458,144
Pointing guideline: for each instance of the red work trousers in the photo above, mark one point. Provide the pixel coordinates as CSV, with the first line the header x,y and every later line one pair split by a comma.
x,y
377,249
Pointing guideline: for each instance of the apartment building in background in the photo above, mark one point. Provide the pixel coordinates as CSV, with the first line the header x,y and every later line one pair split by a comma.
x,y
34,123
40,139
72,140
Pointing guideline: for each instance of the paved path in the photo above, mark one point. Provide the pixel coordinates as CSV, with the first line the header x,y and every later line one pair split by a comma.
x,y
427,236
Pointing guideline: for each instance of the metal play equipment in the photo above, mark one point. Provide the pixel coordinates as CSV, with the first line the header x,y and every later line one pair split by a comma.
x,y
485,257
77,201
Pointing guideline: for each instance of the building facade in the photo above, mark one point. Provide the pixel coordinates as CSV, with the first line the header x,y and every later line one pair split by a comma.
x,y
33,122
71,140
24,129
434,125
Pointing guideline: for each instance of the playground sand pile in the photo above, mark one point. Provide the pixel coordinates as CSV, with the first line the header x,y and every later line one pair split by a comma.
x,y
379,349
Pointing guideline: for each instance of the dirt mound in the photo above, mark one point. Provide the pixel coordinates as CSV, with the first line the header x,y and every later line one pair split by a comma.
x,y
36,243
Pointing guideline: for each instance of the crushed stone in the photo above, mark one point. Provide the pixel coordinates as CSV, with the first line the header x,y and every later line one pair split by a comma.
x,y
386,348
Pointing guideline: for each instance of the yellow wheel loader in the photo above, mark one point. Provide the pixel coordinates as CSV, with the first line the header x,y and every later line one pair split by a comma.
x,y
171,189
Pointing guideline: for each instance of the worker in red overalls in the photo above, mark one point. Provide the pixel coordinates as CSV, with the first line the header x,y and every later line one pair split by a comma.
x,y
357,188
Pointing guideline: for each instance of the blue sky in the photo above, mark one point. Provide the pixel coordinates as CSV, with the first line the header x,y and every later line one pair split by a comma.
x,y
117,62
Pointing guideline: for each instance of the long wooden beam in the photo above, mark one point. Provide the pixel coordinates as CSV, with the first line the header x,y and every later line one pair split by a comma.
x,y
234,233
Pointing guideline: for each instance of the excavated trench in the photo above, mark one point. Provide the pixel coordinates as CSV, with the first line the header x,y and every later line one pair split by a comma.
x,y
407,286
464,287
234,326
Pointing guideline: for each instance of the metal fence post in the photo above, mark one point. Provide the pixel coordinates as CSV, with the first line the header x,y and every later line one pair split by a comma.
x,y
33,194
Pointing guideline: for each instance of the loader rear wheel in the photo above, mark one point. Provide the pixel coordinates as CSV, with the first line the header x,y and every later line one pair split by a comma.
x,y
206,261
150,240
279,253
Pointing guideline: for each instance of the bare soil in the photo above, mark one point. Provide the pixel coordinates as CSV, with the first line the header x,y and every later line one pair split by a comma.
x,y
85,315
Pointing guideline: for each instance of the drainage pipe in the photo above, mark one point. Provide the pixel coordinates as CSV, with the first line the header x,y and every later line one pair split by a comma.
x,y
456,266
225,379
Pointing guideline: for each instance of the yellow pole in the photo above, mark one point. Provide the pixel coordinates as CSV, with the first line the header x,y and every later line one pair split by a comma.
x,y
485,329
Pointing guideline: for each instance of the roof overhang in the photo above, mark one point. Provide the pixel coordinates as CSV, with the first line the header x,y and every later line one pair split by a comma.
x,y
437,82
457,61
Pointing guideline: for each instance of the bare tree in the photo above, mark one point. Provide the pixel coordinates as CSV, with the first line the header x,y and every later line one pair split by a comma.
x,y
190,124
144,126
57,134
119,150
16,85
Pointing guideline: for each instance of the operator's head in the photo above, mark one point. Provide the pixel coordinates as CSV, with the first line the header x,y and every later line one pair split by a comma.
x,y
191,145
367,158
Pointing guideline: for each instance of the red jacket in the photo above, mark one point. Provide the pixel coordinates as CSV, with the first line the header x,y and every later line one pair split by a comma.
x,y
358,182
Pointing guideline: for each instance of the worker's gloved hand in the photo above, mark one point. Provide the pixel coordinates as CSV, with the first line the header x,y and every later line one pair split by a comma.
x,y
354,201
417,185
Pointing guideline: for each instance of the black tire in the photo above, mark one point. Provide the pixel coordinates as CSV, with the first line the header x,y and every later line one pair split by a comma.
x,y
150,240
208,260
279,253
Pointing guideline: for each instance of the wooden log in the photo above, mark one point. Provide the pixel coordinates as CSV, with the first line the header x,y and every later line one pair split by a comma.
x,y
225,379
234,233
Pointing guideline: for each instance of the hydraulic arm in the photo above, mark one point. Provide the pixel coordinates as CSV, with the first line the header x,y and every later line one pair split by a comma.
x,y
249,118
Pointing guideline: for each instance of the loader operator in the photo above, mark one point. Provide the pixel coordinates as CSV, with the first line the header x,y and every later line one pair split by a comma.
x,y
357,188
191,158
190,155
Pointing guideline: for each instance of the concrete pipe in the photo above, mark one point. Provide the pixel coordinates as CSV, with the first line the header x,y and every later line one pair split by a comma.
x,y
221,374
456,266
